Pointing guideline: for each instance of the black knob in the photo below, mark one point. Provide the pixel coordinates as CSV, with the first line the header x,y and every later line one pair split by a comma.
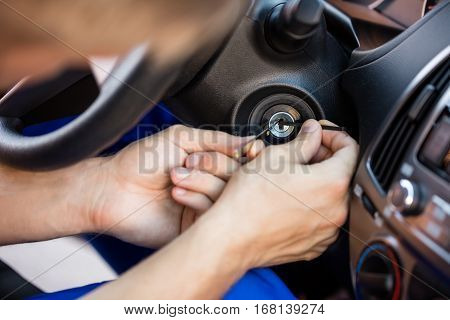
x,y
405,197
290,25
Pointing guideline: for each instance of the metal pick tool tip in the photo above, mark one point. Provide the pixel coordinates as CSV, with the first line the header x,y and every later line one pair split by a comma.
x,y
299,124
238,153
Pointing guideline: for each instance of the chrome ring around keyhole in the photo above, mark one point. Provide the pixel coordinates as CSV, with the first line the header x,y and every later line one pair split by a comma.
x,y
280,131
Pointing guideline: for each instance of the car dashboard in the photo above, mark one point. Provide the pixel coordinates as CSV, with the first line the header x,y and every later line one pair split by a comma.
x,y
400,214
380,68
378,21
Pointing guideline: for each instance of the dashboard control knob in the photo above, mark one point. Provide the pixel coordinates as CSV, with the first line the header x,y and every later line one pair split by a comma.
x,y
404,195
291,24
378,273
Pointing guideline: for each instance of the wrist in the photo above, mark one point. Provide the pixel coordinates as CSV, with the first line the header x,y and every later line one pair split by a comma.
x,y
209,255
72,192
84,193
218,232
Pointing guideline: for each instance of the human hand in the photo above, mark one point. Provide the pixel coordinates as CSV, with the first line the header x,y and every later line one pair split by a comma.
x,y
202,179
254,222
289,203
131,198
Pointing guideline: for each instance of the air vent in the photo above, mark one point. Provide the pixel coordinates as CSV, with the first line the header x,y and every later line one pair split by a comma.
x,y
389,153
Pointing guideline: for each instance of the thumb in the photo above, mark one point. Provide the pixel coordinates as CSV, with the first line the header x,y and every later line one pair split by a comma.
x,y
307,143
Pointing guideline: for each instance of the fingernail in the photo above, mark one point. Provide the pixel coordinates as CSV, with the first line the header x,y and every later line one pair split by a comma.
x,y
194,160
179,191
310,126
256,148
182,172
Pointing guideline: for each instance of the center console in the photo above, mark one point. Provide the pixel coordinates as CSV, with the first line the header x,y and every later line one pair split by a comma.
x,y
400,210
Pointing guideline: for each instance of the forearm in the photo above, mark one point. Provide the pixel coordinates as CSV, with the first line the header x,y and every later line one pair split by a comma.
x,y
46,205
202,263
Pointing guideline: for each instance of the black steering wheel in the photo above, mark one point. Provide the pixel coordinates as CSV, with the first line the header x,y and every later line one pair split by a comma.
x,y
134,86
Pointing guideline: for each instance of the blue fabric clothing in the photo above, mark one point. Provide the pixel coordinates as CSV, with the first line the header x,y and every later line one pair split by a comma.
x,y
257,284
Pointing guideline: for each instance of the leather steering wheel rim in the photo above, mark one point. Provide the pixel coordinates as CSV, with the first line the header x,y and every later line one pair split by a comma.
x,y
132,89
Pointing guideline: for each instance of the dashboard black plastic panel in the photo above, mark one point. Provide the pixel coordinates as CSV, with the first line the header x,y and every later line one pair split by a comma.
x,y
247,63
375,86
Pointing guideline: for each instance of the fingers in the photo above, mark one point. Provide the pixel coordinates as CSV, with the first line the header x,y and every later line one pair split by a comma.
x,y
322,154
334,140
249,151
197,140
343,147
198,181
324,245
214,163
255,149
193,200
307,143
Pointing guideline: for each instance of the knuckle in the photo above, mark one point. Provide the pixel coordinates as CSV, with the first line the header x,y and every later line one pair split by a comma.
x,y
334,238
177,128
311,256
308,257
340,217
179,132
340,185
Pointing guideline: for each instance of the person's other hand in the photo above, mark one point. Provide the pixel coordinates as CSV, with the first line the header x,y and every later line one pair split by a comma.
x,y
289,203
131,197
200,182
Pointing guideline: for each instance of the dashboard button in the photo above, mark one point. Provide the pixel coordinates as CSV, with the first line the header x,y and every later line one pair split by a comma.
x,y
378,273
404,196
